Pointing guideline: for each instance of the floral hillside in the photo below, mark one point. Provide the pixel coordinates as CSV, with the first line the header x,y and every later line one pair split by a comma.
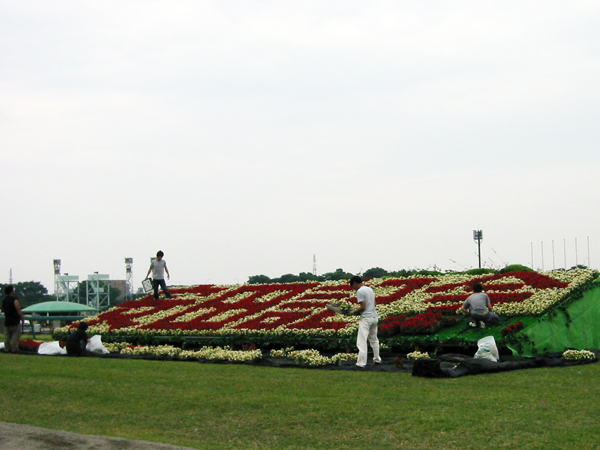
x,y
297,312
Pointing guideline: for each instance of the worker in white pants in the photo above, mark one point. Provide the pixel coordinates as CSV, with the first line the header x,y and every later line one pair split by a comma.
x,y
367,326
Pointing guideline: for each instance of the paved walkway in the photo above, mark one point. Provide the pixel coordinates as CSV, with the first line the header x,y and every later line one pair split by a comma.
x,y
26,437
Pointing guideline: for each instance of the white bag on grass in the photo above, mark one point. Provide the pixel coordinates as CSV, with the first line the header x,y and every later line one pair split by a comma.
x,y
487,349
95,345
51,348
1,345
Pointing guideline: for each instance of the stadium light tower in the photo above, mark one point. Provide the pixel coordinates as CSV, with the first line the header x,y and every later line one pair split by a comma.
x,y
56,275
128,278
477,237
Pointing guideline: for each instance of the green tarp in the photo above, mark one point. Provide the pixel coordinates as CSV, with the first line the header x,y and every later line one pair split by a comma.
x,y
577,326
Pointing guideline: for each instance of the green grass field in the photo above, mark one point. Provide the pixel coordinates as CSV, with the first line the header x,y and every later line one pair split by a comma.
x,y
226,406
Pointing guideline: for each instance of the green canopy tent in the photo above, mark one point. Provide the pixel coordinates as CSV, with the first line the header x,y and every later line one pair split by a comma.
x,y
57,307
50,311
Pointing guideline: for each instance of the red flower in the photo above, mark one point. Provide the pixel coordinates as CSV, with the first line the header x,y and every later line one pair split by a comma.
x,y
512,328
29,345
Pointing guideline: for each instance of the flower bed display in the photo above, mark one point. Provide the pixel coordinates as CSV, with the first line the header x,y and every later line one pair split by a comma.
x,y
312,357
296,312
29,345
579,354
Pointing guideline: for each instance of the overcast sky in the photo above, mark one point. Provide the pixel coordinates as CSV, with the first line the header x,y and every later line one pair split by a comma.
x,y
244,137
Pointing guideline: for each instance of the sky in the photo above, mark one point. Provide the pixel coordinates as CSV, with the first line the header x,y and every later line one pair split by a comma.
x,y
247,137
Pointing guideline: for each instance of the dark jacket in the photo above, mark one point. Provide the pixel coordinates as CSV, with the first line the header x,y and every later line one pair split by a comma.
x,y
76,343
11,314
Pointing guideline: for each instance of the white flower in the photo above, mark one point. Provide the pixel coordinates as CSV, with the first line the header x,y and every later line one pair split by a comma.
x,y
339,357
578,354
311,357
116,347
283,353
222,354
192,315
159,350
138,310
413,356
145,320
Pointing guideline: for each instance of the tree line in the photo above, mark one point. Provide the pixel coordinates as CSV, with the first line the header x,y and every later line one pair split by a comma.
x,y
339,274
374,272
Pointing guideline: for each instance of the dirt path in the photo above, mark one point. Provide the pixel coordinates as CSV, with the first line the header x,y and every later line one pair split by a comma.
x,y
26,437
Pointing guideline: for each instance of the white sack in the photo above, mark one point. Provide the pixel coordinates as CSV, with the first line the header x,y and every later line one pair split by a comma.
x,y
487,349
51,348
95,345
1,345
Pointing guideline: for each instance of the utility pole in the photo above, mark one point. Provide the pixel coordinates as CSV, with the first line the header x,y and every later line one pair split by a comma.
x,y
477,237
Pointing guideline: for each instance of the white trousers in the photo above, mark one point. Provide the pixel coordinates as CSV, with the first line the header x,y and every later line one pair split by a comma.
x,y
367,331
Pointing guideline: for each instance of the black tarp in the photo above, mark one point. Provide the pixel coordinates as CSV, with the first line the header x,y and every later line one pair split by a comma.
x,y
455,365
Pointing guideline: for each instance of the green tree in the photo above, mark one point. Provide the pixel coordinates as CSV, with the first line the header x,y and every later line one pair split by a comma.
x,y
259,279
339,274
375,272
287,278
116,296
308,276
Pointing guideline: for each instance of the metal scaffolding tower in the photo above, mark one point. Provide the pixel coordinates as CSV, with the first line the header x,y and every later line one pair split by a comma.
x,y
98,291
128,279
68,288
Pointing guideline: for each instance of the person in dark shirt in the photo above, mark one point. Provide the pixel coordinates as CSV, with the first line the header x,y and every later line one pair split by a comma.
x,y
77,340
13,316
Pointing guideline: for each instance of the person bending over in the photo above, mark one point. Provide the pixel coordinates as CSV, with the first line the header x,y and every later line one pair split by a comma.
x,y
479,308
77,340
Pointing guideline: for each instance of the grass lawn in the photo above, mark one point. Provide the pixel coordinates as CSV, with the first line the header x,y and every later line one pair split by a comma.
x,y
226,406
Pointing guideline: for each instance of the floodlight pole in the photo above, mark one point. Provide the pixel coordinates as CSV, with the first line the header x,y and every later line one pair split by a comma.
x,y
477,237
128,278
56,275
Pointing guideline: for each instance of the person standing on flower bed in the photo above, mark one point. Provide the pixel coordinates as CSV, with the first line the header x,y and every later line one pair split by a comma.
x,y
367,326
478,306
13,316
158,267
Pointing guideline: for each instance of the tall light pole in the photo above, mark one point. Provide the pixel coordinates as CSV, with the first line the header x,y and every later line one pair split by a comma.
x,y
128,278
56,275
477,237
